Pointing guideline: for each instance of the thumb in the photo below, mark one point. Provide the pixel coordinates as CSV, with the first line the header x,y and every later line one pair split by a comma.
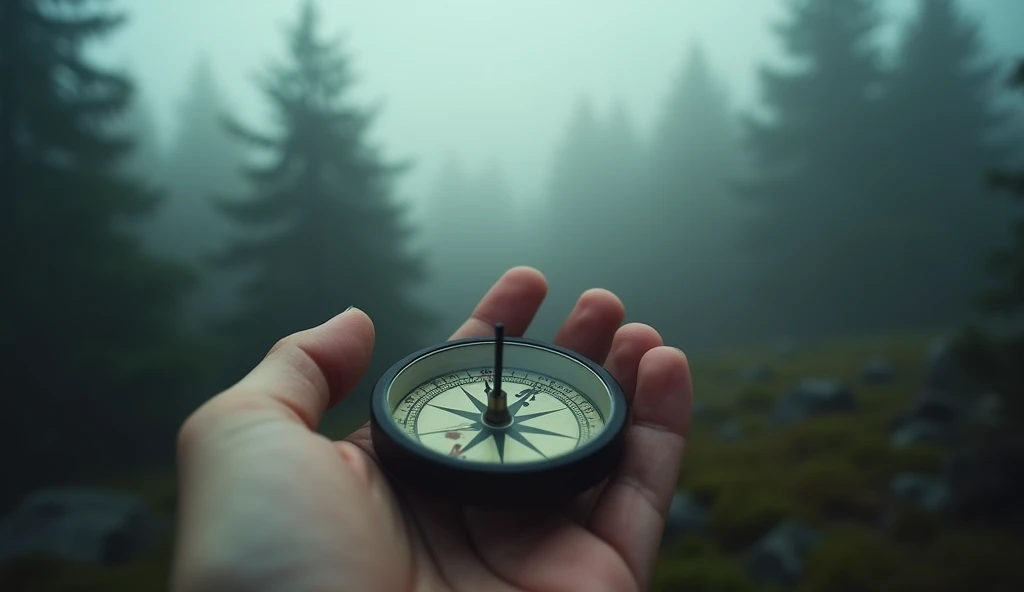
x,y
302,376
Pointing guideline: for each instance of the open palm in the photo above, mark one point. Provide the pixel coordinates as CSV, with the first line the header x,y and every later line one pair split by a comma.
x,y
267,503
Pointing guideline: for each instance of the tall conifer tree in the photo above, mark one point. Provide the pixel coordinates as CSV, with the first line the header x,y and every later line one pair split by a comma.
x,y
94,362
817,163
691,212
941,115
204,162
320,229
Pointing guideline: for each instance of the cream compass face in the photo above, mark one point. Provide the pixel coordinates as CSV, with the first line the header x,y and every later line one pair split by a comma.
x,y
549,417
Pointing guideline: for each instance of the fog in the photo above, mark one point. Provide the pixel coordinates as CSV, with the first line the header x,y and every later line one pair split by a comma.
x,y
486,81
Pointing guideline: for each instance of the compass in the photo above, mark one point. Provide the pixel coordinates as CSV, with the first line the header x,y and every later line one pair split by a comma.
x,y
498,420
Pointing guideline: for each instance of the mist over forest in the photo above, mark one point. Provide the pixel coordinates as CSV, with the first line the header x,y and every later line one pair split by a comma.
x,y
183,184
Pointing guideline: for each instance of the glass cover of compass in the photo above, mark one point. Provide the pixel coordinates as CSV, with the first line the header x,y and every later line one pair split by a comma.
x,y
493,420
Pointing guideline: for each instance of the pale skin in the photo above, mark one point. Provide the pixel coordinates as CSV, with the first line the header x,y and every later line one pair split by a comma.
x,y
267,503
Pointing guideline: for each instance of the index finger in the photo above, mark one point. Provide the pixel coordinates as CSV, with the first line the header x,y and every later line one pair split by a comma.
x,y
513,300
301,377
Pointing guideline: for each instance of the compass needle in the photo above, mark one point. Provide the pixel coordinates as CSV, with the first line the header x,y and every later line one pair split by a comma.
x,y
571,437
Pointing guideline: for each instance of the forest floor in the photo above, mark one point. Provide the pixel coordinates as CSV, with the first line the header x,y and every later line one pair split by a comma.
x,y
831,473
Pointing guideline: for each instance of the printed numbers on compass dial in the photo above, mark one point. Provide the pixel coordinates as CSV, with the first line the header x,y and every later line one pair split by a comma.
x,y
549,417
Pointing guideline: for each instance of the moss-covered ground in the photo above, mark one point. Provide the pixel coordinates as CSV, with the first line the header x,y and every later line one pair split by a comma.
x,y
832,472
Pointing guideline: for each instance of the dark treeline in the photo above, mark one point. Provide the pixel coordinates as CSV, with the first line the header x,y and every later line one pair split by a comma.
x,y
853,201
142,278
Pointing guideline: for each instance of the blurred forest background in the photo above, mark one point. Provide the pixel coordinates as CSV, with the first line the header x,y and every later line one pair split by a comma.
x,y
866,191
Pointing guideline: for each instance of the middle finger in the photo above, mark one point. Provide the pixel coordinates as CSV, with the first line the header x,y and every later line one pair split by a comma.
x,y
590,327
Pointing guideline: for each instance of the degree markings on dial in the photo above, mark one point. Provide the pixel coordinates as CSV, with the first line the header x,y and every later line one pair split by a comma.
x,y
409,414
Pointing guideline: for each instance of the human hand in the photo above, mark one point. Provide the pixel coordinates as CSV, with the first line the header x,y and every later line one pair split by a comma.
x,y
267,503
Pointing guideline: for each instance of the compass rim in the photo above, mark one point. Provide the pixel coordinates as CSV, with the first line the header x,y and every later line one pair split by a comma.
x,y
608,441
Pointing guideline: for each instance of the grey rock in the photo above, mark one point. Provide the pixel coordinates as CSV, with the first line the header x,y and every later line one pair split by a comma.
x,y
915,430
878,370
685,516
729,431
79,524
814,397
928,492
779,557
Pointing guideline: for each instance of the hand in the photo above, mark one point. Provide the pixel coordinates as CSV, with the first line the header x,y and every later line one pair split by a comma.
x,y
269,504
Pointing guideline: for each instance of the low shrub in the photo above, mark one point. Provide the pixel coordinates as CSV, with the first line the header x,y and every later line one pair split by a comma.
x,y
821,435
971,559
836,489
709,572
910,524
919,457
852,559
742,516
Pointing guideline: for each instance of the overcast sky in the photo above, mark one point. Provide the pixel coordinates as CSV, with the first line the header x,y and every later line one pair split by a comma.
x,y
489,81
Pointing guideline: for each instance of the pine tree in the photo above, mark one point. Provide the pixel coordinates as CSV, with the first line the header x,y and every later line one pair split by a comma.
x,y
471,237
816,169
694,149
146,160
94,362
1007,262
693,159
588,233
940,112
204,161
319,229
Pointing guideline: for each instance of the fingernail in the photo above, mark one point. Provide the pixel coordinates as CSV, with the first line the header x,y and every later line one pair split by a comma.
x,y
347,309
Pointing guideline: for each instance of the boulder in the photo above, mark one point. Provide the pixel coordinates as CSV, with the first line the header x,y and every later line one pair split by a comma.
x,y
928,492
778,558
814,397
79,524
878,370
685,516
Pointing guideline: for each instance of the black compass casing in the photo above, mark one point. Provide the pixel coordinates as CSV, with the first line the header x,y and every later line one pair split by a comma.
x,y
552,481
